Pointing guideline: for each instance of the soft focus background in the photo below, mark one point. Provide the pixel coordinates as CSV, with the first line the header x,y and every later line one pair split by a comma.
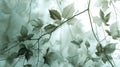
x,y
15,13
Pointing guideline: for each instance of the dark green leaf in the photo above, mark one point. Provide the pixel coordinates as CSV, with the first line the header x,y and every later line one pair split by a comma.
x,y
50,28
99,48
87,44
95,59
109,48
107,17
30,36
22,51
20,38
24,31
108,32
28,54
101,14
27,65
77,42
97,53
104,59
54,14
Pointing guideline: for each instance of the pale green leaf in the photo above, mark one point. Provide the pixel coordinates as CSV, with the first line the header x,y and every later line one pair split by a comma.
x,y
87,44
109,48
50,28
24,31
97,20
68,11
54,14
114,30
72,21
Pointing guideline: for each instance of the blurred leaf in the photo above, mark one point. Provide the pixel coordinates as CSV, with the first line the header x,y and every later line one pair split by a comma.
x,y
98,53
77,42
54,14
104,58
114,30
72,21
97,20
87,44
30,36
11,57
99,48
22,51
37,24
20,38
58,22
109,48
50,28
28,65
24,31
28,54
52,56
107,17
108,32
74,61
101,14
104,5
43,41
95,59
68,11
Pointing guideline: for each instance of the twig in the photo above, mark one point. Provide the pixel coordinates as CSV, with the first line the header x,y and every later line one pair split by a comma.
x,y
109,60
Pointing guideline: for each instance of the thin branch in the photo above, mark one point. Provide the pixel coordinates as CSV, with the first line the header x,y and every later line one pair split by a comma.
x,y
91,22
94,32
30,11
59,25
109,60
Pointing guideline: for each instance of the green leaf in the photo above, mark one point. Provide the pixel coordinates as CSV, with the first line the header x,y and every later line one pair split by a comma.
x,y
28,65
50,28
28,54
24,31
98,53
37,24
104,58
101,14
109,48
54,14
77,42
97,20
115,32
68,11
20,38
22,51
99,48
30,36
72,21
58,22
108,32
87,44
107,17
95,59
